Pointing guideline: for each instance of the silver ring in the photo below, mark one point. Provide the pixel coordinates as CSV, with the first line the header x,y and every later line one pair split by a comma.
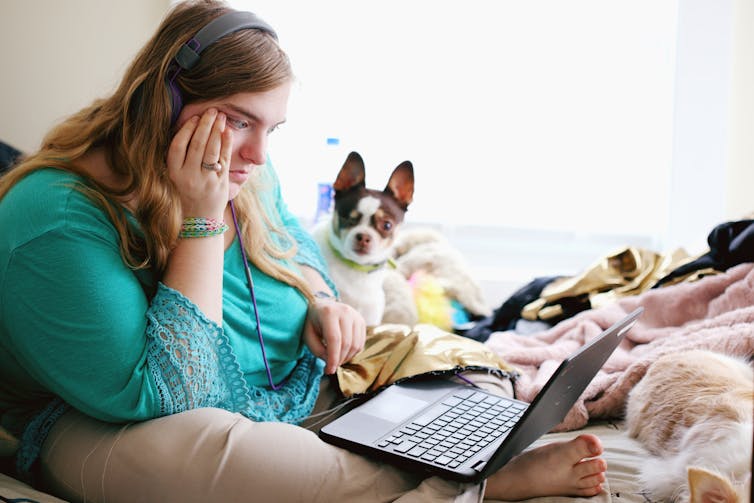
x,y
212,166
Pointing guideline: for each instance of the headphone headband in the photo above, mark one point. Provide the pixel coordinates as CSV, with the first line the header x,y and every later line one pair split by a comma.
x,y
188,54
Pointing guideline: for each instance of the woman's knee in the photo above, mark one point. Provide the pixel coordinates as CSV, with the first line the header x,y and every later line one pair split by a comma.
x,y
209,455
208,435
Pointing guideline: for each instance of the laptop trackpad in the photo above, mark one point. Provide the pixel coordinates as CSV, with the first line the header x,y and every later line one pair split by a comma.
x,y
393,407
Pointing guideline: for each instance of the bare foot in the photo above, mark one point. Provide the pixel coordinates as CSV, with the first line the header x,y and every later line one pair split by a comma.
x,y
557,469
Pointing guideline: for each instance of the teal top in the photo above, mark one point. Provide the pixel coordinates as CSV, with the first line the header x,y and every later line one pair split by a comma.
x,y
79,328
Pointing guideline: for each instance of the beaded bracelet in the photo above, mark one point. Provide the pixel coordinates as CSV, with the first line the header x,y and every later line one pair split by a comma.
x,y
200,227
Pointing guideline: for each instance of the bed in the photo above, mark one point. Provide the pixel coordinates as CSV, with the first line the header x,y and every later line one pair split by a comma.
x,y
715,313
623,454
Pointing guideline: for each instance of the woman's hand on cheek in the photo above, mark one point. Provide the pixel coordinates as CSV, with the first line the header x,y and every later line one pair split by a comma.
x,y
334,332
201,141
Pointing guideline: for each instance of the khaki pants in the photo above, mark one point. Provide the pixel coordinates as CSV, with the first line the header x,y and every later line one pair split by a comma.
x,y
211,455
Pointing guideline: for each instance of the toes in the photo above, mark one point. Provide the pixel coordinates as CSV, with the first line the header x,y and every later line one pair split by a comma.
x,y
589,491
582,447
591,445
592,480
590,467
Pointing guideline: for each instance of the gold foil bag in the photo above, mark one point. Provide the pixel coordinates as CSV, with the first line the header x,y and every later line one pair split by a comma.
x,y
394,353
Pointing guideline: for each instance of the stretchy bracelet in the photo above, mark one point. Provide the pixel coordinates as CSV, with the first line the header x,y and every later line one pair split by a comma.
x,y
200,227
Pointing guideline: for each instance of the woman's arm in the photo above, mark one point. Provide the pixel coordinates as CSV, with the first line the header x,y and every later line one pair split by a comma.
x,y
82,326
334,331
195,267
317,283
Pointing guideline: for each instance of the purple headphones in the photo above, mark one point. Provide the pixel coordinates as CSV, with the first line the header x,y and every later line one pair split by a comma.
x,y
188,54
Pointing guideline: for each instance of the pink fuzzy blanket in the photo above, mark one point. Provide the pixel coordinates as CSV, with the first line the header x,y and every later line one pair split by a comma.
x,y
715,313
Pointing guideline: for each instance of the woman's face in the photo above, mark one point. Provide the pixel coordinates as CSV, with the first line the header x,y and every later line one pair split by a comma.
x,y
251,117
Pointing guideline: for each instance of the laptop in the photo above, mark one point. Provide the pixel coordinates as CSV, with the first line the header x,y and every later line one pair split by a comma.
x,y
461,432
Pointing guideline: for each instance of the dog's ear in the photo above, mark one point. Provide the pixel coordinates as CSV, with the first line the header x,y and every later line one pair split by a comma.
x,y
351,174
401,184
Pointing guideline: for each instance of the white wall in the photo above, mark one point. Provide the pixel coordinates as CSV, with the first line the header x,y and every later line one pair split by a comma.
x,y
57,56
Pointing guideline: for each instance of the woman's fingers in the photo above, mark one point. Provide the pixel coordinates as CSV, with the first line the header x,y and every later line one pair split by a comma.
x,y
199,140
214,145
352,331
333,343
199,159
358,329
226,148
334,332
179,145
200,143
347,337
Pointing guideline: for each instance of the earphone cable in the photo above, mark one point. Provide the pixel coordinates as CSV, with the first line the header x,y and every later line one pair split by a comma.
x,y
326,414
247,271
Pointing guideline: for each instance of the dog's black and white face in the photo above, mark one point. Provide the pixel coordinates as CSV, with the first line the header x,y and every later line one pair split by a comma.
x,y
365,220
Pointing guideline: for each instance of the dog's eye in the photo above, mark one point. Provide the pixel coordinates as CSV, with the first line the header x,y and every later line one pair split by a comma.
x,y
387,225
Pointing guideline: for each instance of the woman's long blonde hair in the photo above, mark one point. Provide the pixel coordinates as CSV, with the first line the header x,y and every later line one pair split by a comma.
x,y
133,128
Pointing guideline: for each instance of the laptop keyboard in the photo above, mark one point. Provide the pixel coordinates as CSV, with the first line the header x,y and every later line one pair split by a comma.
x,y
452,431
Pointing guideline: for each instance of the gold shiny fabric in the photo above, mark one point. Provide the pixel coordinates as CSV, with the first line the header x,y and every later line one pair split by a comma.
x,y
628,271
396,352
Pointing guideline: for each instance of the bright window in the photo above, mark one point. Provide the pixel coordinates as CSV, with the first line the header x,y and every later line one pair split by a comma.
x,y
541,115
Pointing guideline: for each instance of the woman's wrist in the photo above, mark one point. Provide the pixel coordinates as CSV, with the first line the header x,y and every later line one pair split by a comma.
x,y
322,294
201,227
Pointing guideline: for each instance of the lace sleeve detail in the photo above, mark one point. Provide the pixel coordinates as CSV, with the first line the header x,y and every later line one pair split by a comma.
x,y
193,365
293,402
190,358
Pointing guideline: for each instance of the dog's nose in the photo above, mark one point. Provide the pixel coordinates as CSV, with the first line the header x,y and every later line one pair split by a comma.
x,y
363,239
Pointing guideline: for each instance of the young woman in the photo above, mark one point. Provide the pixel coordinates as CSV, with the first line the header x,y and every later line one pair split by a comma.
x,y
165,320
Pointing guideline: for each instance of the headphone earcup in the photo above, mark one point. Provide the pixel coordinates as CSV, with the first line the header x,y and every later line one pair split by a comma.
x,y
176,100
188,54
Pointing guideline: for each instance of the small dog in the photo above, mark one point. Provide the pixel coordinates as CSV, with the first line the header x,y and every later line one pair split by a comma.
x,y
693,413
357,241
